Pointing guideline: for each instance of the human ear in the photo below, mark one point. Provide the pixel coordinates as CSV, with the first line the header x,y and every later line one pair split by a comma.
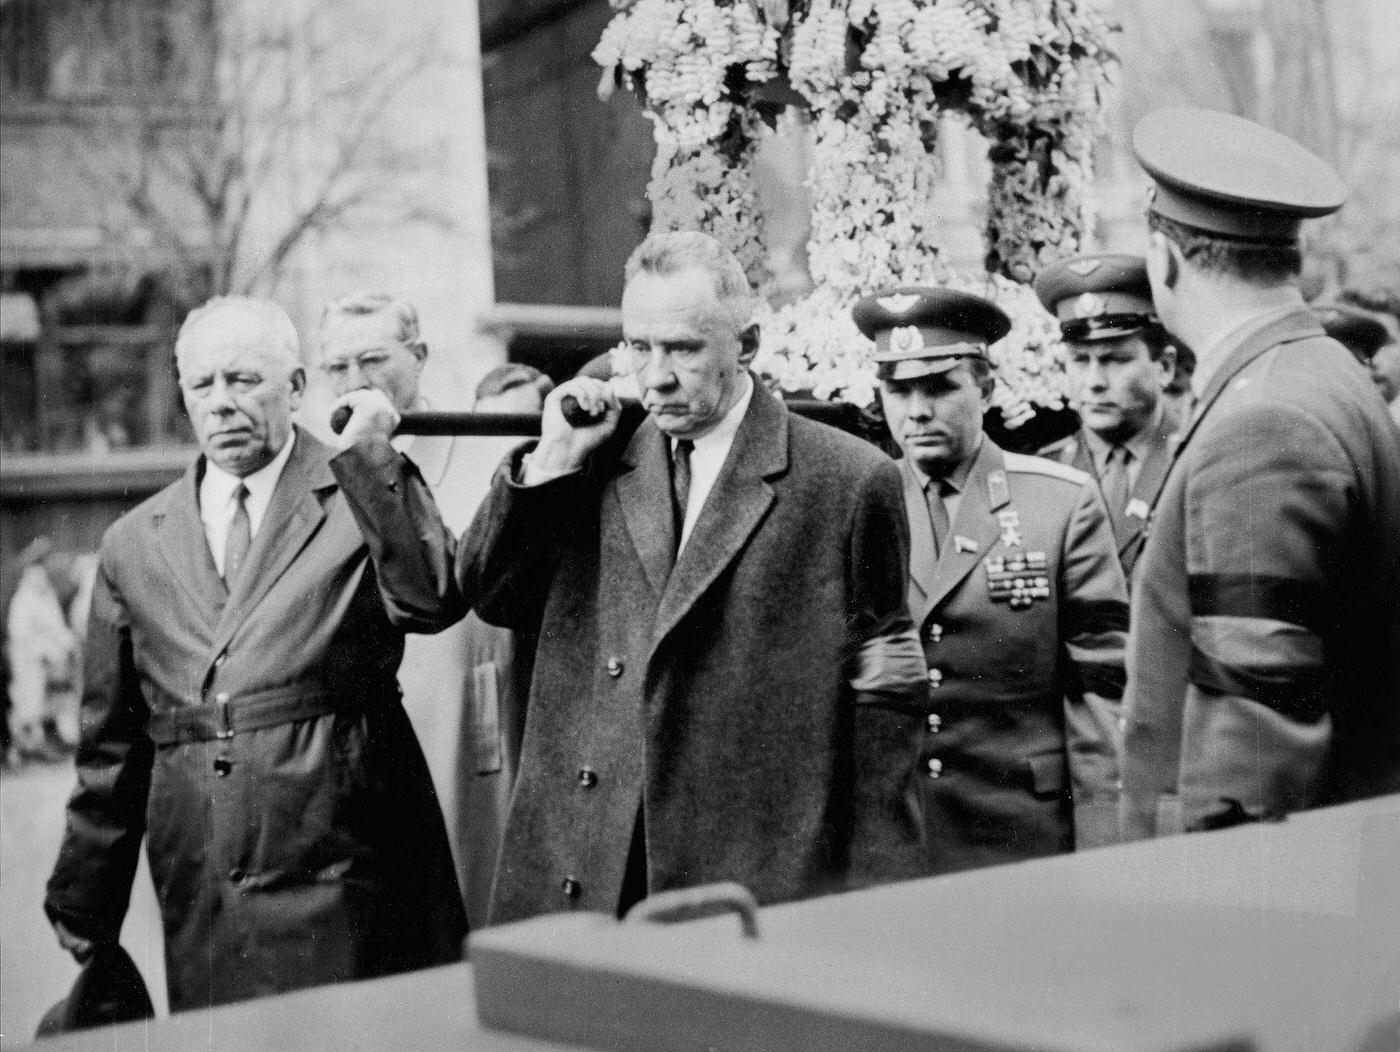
x,y
748,345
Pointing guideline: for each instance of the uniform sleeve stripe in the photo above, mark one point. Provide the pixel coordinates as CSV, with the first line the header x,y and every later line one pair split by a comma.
x,y
1096,615
1274,663
1259,596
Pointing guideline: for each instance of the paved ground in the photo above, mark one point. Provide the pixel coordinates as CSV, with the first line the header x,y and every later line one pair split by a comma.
x,y
34,972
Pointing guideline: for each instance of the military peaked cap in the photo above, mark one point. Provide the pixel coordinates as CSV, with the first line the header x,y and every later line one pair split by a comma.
x,y
1097,297
1359,331
924,331
1231,177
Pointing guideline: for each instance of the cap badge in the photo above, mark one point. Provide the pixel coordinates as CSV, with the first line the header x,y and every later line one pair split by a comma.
x,y
1085,267
1090,305
898,304
905,339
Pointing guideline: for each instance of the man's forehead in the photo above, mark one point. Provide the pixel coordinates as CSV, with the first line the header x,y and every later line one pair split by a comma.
x,y
223,347
353,333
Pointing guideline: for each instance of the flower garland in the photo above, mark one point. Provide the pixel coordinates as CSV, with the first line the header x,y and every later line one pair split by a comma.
x,y
692,62
877,74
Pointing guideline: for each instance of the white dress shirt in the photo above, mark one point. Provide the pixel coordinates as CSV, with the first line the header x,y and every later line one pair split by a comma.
x,y
708,456
706,459
217,505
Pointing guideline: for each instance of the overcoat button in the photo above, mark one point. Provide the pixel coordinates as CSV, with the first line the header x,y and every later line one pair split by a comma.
x,y
935,677
935,768
935,632
571,887
218,661
222,766
223,697
935,723
587,777
614,667
236,875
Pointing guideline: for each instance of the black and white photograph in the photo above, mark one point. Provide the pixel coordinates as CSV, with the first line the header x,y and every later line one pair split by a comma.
x,y
700,525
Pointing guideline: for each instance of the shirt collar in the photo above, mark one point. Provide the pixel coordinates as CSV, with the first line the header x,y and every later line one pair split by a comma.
x,y
219,485
722,436
1211,354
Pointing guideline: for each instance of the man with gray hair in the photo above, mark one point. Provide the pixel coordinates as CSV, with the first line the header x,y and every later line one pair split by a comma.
x,y
727,686
239,705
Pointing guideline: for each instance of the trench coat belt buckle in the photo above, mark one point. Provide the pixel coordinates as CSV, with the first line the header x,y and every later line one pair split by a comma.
x,y
179,722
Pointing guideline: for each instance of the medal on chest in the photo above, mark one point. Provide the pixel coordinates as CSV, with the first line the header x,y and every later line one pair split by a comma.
x,y
1019,577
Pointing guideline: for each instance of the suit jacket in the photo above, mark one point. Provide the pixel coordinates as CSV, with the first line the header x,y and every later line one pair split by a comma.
x,y
1019,750
1131,531
716,694
255,738
1264,666
465,687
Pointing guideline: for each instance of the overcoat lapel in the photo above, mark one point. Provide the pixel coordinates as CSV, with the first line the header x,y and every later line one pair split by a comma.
x,y
985,493
1149,485
922,561
737,504
292,519
181,539
644,493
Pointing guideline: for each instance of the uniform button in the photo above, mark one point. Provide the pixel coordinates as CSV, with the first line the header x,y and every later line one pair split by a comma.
x,y
935,723
571,887
935,677
222,766
223,697
587,777
935,632
614,667
219,661
935,768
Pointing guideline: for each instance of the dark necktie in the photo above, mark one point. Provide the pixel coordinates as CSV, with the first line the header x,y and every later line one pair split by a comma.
x,y
1115,485
937,514
680,485
240,536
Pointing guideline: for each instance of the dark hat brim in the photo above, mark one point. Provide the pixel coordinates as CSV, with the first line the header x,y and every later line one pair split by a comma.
x,y
1224,174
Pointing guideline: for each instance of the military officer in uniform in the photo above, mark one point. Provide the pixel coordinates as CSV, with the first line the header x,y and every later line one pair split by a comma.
x,y
1264,665
1119,361
1018,595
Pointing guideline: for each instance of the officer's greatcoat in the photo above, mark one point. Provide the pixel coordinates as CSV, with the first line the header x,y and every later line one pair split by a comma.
x,y
1023,620
1264,670
255,738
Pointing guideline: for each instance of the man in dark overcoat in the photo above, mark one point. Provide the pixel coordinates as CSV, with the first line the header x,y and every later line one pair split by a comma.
x,y
1264,666
1018,596
1119,362
240,711
727,685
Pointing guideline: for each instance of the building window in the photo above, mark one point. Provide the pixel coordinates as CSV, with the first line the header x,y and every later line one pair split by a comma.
x,y
96,374
106,50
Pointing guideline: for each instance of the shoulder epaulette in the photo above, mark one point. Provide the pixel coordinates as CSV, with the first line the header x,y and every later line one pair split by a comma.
x,y
1065,447
1020,462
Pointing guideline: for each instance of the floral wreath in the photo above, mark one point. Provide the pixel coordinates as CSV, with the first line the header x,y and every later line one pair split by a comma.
x,y
875,77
